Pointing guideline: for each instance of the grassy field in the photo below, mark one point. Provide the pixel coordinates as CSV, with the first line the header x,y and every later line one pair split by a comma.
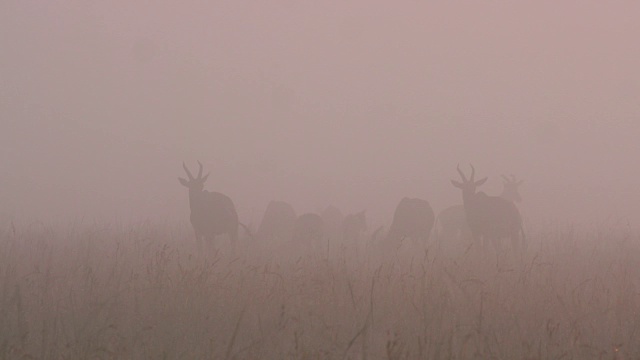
x,y
144,292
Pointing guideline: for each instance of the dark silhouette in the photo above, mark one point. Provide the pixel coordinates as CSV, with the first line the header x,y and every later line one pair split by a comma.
x,y
309,229
277,223
353,226
452,221
212,213
414,219
510,188
489,217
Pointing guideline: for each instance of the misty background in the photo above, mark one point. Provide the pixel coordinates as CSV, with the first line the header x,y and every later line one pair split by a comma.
x,y
350,103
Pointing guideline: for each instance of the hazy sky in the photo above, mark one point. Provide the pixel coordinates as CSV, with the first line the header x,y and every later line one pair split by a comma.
x,y
353,103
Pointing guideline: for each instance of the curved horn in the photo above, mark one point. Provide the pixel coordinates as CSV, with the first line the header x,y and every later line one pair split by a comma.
x,y
187,170
473,173
464,178
199,170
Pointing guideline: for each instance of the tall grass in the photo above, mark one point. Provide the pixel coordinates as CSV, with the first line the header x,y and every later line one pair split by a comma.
x,y
143,292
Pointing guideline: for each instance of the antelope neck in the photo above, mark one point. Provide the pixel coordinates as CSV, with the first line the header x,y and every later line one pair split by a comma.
x,y
468,198
195,197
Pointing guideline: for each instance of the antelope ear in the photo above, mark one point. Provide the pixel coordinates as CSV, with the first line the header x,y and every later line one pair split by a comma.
x,y
184,182
480,182
205,178
456,184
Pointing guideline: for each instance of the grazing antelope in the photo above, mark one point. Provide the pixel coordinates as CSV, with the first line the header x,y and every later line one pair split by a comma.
x,y
489,217
212,213
414,219
309,229
278,222
353,226
453,221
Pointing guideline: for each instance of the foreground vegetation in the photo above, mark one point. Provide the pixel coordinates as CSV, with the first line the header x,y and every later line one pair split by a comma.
x,y
144,292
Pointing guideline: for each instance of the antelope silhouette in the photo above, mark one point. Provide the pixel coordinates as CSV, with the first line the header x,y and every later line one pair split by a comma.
x,y
453,221
309,230
354,225
278,222
212,213
414,219
510,188
452,224
489,217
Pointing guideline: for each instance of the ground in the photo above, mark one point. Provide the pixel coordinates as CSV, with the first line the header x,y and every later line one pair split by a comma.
x,y
142,292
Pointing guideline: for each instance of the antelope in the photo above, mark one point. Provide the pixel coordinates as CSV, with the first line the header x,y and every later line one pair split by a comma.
x,y
278,222
489,217
354,225
414,219
453,221
309,229
510,188
212,213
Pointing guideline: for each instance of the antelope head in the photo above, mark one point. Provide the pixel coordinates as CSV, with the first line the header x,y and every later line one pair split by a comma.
x,y
194,183
468,186
510,191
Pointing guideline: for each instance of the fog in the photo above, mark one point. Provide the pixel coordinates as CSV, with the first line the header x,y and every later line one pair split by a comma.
x,y
350,103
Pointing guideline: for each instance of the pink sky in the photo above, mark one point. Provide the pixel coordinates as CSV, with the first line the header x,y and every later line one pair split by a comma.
x,y
355,103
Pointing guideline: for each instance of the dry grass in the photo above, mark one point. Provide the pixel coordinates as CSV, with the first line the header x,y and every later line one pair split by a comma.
x,y
141,292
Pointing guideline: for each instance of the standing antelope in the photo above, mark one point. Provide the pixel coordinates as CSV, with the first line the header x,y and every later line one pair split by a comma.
x,y
212,213
489,217
453,221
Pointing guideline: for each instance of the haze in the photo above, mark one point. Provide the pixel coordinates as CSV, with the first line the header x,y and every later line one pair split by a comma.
x,y
350,103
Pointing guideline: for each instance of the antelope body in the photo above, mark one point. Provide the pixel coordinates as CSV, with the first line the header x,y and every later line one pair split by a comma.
x,y
212,213
414,219
308,228
278,222
353,226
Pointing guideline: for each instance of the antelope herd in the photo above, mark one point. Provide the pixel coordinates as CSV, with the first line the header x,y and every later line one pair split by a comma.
x,y
480,219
